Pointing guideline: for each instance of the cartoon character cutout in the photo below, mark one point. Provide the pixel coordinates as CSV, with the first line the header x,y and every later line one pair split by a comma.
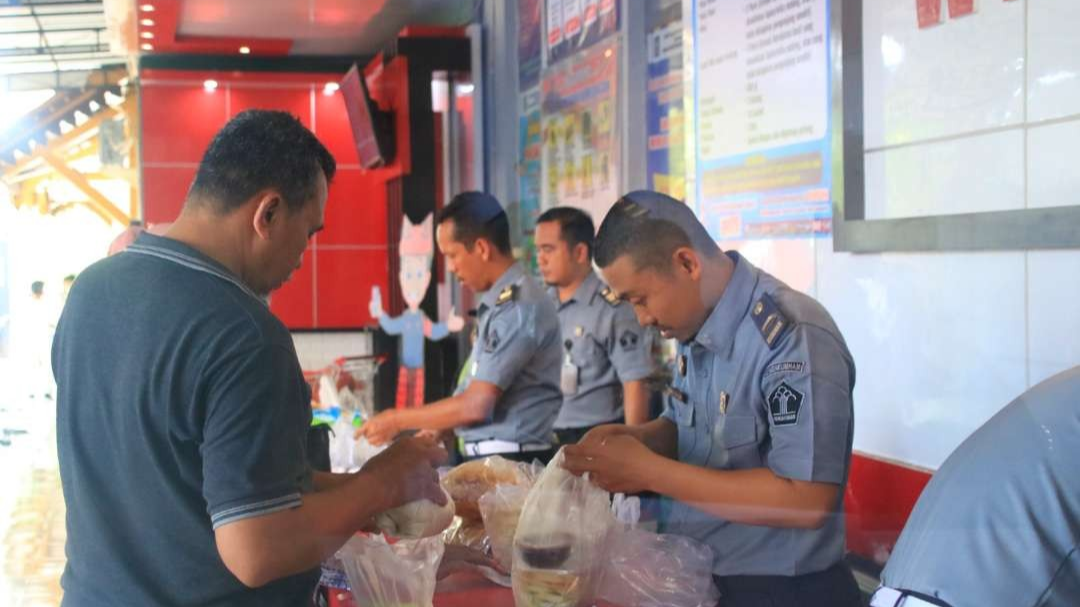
x,y
417,250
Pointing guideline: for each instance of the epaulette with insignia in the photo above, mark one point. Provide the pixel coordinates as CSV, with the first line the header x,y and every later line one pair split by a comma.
x,y
769,320
507,294
609,296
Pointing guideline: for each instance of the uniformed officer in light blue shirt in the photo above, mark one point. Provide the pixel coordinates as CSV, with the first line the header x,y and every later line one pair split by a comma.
x,y
999,523
607,355
755,441
511,396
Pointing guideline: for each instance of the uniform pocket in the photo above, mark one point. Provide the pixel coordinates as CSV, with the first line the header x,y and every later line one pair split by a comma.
x,y
738,431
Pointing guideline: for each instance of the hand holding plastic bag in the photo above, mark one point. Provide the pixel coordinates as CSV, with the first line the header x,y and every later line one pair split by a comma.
x,y
385,575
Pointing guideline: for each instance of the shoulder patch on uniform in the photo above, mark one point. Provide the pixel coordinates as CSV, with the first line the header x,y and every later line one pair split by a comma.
x,y
628,340
507,294
786,367
492,341
770,321
609,296
784,404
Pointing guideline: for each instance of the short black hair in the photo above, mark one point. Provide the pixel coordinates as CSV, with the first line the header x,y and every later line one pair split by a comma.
x,y
650,226
477,215
37,287
575,226
261,149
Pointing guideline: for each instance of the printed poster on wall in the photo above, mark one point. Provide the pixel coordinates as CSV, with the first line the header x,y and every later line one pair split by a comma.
x,y
762,102
574,25
529,154
529,42
580,130
665,155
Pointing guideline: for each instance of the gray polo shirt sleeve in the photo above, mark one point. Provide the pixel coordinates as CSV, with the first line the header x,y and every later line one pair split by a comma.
x,y
254,434
807,399
507,345
630,346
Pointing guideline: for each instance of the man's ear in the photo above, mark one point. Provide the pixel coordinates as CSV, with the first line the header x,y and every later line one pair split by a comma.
x,y
686,260
483,247
269,209
581,253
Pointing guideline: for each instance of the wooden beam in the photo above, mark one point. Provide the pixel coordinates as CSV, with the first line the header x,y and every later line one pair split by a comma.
x,y
132,125
79,181
60,143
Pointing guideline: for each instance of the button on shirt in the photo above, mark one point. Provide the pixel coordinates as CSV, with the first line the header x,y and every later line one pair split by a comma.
x,y
739,404
608,347
999,522
517,349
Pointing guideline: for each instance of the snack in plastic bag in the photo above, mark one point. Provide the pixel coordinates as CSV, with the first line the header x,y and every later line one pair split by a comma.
x,y
469,481
419,518
561,540
399,575
657,570
501,510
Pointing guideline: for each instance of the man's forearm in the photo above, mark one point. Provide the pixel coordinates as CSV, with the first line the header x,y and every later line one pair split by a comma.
x,y
660,436
266,548
635,402
754,496
444,414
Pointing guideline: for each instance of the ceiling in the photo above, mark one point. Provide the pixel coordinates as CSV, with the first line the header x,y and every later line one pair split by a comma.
x,y
51,36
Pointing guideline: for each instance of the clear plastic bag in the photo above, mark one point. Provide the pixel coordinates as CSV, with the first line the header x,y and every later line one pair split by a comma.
x,y
561,540
647,569
385,575
501,510
469,481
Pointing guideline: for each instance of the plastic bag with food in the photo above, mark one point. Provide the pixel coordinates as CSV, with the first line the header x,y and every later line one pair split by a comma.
x,y
561,540
501,510
383,574
469,481
416,519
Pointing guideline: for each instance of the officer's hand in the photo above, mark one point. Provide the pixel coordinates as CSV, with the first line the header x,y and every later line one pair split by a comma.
x,y
454,322
380,429
616,463
407,471
600,434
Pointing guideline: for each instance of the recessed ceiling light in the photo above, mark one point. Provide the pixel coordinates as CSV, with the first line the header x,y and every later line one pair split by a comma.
x,y
147,35
245,50
146,22
330,88
146,46
209,85
147,8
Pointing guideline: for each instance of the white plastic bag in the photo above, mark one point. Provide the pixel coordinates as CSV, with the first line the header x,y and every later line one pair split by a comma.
x,y
501,509
647,569
416,519
561,540
383,575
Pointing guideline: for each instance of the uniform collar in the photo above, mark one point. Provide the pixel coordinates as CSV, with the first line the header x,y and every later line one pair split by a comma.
x,y
718,332
509,277
177,252
585,293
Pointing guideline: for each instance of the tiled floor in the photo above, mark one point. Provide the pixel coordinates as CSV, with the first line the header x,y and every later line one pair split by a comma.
x,y
31,503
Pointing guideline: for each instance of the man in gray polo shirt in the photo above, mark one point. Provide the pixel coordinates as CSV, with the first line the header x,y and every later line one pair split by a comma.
x,y
755,442
182,411
508,404
999,523
607,355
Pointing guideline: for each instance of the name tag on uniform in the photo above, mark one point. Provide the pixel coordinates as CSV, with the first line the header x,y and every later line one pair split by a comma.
x,y
475,368
568,377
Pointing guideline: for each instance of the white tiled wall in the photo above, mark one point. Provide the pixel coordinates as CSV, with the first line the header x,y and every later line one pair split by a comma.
x,y
317,350
972,174
1053,312
1053,178
964,75
938,342
1053,79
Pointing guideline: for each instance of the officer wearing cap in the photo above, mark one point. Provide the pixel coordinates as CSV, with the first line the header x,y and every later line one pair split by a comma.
x,y
508,404
755,441
999,523
607,355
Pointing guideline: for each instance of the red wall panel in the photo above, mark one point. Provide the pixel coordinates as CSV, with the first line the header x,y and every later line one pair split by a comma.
x,y
293,302
352,274
296,99
179,120
879,498
163,191
355,210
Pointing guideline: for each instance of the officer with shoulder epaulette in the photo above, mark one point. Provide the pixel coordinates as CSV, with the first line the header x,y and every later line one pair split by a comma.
x,y
607,355
754,445
510,398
